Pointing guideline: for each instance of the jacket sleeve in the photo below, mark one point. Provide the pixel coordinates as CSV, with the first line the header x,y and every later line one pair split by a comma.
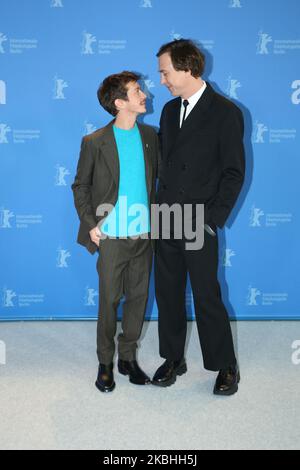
x,y
232,157
82,186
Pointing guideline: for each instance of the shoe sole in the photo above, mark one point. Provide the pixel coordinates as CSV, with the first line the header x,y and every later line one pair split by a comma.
x,y
105,389
180,371
232,391
125,372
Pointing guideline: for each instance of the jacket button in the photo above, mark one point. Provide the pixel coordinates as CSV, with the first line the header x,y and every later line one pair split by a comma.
x,y
181,191
184,167
164,186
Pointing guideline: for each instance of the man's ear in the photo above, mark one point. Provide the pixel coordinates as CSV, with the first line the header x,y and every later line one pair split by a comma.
x,y
119,104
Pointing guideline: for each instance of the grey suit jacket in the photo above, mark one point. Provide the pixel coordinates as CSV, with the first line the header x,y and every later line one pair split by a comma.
x,y
97,178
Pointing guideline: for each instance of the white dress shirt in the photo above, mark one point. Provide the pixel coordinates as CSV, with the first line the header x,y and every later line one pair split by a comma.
x,y
192,102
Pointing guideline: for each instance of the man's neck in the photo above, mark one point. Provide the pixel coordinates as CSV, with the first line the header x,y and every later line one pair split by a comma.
x,y
192,89
125,121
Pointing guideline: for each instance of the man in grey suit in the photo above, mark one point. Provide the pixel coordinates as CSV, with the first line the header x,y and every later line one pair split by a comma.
x,y
115,180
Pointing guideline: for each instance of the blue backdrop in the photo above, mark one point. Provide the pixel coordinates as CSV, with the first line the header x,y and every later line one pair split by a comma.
x,y
54,54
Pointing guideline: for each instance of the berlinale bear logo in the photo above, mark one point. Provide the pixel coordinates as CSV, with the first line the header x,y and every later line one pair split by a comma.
x,y
296,94
2,92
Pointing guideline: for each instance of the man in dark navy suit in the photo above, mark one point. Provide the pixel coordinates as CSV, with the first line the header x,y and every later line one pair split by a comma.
x,y
201,135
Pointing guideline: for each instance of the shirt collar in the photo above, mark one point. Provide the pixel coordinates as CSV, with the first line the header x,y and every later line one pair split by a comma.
x,y
196,96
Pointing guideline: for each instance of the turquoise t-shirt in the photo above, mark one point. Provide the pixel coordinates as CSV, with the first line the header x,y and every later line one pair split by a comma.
x,y
130,215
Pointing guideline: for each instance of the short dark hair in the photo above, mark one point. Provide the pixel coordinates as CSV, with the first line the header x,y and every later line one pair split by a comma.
x,y
114,87
185,55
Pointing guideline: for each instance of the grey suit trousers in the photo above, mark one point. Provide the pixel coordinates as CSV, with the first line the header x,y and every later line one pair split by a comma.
x,y
124,266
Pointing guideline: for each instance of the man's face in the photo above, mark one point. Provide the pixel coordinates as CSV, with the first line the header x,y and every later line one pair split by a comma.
x,y
136,99
175,80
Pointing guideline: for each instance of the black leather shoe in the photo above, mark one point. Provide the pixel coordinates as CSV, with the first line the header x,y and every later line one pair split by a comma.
x,y
105,380
227,381
166,374
136,375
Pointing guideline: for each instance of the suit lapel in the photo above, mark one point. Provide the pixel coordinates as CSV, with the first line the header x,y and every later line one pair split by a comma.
x,y
173,125
110,152
196,118
147,156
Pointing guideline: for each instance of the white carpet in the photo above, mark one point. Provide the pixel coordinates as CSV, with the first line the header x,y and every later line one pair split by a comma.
x,y
48,399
